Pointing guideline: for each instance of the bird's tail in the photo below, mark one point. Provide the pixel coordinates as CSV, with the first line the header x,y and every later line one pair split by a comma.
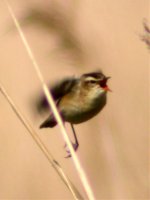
x,y
49,122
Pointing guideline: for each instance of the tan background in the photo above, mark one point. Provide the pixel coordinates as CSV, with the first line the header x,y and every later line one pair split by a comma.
x,y
113,145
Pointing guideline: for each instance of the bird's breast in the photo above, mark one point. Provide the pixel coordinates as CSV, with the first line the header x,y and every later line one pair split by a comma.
x,y
77,109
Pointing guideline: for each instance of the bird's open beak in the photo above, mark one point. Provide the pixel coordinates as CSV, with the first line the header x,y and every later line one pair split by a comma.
x,y
103,84
106,87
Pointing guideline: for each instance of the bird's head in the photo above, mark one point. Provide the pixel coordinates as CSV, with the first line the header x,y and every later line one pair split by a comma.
x,y
95,80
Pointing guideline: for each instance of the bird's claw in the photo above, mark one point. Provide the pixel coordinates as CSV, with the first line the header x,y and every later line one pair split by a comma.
x,y
75,147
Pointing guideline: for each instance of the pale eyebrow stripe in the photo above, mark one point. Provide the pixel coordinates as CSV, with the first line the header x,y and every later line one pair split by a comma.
x,y
92,79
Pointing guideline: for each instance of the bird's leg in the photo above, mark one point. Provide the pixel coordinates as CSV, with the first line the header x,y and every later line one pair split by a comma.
x,y
75,145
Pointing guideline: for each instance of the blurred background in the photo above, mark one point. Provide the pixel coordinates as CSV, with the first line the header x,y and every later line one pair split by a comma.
x,y
70,38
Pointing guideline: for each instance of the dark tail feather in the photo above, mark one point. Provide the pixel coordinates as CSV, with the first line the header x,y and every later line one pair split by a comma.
x,y
49,122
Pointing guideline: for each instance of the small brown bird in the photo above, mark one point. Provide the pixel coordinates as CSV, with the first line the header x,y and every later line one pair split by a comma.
x,y
77,99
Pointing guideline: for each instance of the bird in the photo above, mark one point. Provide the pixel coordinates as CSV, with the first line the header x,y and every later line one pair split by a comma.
x,y
78,99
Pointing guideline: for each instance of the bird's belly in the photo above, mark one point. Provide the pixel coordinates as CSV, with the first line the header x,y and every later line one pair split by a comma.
x,y
77,113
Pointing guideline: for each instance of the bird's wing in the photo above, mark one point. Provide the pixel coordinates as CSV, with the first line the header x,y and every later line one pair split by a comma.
x,y
58,90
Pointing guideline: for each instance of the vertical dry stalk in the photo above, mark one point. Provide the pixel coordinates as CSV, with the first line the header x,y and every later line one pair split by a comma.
x,y
41,145
52,105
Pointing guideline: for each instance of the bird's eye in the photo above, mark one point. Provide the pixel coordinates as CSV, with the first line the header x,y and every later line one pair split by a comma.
x,y
92,81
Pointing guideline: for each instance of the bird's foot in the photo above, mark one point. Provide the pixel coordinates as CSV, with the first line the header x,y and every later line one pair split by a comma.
x,y
75,147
